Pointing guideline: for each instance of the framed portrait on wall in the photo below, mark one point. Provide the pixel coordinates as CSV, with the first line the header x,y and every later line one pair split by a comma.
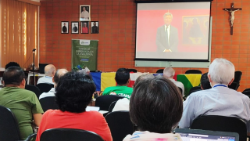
x,y
85,27
74,27
94,27
85,13
64,27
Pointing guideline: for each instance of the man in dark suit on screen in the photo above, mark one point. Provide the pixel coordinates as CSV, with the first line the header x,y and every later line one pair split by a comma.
x,y
167,35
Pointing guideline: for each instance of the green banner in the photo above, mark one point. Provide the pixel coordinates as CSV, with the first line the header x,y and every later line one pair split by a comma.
x,y
84,54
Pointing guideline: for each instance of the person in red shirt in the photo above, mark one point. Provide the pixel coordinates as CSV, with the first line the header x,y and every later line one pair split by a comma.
x,y
85,29
73,93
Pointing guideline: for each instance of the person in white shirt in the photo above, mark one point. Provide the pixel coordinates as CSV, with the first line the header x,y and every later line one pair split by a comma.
x,y
169,74
84,14
55,79
123,104
50,71
218,100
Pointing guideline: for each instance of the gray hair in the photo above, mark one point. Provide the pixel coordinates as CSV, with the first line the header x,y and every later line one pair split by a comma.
x,y
168,14
168,72
221,71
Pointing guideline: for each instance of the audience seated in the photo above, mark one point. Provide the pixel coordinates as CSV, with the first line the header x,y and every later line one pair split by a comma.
x,y
23,103
205,84
122,79
155,108
123,104
169,74
59,73
73,93
219,100
50,71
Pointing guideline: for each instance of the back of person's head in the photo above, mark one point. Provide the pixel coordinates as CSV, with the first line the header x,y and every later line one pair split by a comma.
x,y
221,71
74,92
143,77
168,72
156,105
13,76
59,73
50,70
205,84
11,64
122,76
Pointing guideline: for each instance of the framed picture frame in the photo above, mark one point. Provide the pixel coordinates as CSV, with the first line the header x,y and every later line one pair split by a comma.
x,y
64,27
85,13
84,27
74,27
94,27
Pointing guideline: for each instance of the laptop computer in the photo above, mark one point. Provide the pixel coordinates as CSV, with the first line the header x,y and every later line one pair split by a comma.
x,y
205,135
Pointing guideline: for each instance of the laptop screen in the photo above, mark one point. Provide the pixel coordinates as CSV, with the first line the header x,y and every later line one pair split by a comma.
x,y
200,137
206,135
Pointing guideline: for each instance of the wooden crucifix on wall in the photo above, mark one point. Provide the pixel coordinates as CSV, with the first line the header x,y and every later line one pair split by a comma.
x,y
231,12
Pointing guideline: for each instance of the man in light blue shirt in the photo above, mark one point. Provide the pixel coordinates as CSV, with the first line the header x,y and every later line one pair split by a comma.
x,y
219,100
50,71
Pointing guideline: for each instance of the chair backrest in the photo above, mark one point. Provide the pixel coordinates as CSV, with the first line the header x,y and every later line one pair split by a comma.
x,y
120,124
247,92
104,101
132,70
9,130
234,85
34,89
48,103
159,71
111,106
195,89
66,134
44,87
31,137
193,72
237,76
221,123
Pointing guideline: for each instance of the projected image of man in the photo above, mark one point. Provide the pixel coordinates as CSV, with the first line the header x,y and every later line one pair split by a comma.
x,y
167,35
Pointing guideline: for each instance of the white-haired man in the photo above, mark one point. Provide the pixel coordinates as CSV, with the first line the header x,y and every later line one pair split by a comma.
x,y
50,71
167,35
169,73
55,79
219,100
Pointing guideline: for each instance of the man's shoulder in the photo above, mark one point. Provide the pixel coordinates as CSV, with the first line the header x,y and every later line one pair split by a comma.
x,y
110,88
200,94
24,91
179,83
161,27
46,94
173,27
130,89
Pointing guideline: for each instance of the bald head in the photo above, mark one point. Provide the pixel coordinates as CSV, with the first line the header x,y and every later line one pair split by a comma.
x,y
50,70
168,72
58,75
